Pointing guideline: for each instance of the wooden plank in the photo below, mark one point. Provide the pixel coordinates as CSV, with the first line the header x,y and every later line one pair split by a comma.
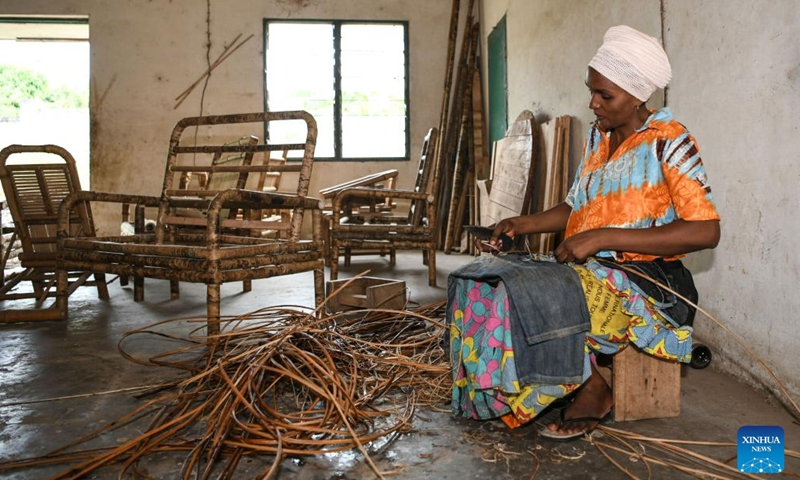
x,y
513,163
566,121
483,201
548,130
645,386
391,295
551,182
366,292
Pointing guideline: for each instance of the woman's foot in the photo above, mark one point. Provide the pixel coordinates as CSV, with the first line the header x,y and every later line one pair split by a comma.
x,y
592,403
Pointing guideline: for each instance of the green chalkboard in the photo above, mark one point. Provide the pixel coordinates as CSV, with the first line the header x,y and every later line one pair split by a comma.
x,y
498,84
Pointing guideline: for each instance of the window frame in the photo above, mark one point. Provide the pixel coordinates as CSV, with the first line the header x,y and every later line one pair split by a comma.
x,y
337,84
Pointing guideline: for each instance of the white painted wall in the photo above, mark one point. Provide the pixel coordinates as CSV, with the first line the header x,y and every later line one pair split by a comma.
x,y
144,53
736,67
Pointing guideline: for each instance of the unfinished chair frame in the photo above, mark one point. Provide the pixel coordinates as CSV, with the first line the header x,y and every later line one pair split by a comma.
x,y
414,231
362,208
218,254
35,190
209,182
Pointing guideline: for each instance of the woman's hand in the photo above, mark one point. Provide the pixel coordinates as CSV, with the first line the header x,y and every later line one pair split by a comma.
x,y
506,227
677,238
549,221
579,247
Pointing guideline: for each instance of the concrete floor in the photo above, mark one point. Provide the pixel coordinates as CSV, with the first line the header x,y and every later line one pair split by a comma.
x,y
58,359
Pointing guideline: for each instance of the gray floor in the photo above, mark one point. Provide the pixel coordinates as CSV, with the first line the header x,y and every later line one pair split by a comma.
x,y
53,360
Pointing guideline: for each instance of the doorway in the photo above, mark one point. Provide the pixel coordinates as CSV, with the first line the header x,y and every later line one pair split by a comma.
x,y
44,97
44,85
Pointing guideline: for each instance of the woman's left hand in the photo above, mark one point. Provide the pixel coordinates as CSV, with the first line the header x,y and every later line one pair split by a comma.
x,y
579,247
677,238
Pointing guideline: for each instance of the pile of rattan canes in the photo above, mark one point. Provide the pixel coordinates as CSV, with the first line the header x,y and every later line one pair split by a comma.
x,y
278,382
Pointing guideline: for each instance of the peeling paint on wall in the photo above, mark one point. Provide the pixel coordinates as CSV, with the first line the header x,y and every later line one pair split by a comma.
x,y
293,5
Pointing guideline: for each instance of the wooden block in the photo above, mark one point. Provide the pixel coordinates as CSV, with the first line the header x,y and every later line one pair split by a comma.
x,y
366,293
645,386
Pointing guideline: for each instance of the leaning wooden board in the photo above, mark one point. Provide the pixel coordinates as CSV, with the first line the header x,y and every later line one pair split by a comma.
x,y
551,185
514,160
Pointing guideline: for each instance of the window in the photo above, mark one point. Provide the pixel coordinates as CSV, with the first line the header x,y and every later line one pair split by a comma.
x,y
351,76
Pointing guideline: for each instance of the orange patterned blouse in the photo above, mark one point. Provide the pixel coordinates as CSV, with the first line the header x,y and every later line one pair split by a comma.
x,y
654,178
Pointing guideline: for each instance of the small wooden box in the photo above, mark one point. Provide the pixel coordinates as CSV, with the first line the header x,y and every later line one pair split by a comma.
x,y
366,293
645,386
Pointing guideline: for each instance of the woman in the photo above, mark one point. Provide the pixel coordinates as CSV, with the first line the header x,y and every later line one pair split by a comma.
x,y
640,195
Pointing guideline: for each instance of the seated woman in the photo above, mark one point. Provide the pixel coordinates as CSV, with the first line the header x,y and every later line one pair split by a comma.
x,y
640,201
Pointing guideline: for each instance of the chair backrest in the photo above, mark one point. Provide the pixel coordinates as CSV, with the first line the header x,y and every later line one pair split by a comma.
x,y
423,180
182,145
218,181
271,181
35,182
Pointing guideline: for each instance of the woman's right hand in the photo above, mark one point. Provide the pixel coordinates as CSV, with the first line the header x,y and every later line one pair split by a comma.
x,y
506,226
551,220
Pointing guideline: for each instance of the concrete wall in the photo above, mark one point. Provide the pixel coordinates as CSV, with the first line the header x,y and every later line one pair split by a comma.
x,y
735,86
144,53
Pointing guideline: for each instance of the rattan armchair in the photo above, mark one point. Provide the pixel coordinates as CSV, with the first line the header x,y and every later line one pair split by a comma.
x,y
35,179
221,250
392,229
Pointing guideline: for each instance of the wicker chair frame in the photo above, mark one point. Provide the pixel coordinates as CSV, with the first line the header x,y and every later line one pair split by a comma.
x,y
222,251
35,182
391,230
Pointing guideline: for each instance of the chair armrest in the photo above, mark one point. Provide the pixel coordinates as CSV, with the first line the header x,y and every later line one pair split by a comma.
x,y
86,196
379,193
374,193
366,181
254,199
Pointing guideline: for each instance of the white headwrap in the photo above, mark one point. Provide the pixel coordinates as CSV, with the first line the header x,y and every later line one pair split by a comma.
x,y
633,61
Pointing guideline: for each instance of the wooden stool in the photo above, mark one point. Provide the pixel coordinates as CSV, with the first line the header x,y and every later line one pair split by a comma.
x,y
645,386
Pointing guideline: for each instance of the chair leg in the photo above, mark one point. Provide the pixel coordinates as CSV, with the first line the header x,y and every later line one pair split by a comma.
x,y
392,256
347,253
212,308
102,288
38,288
334,261
138,227
326,240
319,287
247,285
138,289
174,290
62,295
432,267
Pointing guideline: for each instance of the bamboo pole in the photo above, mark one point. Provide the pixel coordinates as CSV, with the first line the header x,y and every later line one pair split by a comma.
x,y
448,79
452,134
462,154
227,52
479,125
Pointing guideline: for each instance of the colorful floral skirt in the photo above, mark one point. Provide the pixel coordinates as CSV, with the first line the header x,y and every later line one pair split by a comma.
x,y
485,381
